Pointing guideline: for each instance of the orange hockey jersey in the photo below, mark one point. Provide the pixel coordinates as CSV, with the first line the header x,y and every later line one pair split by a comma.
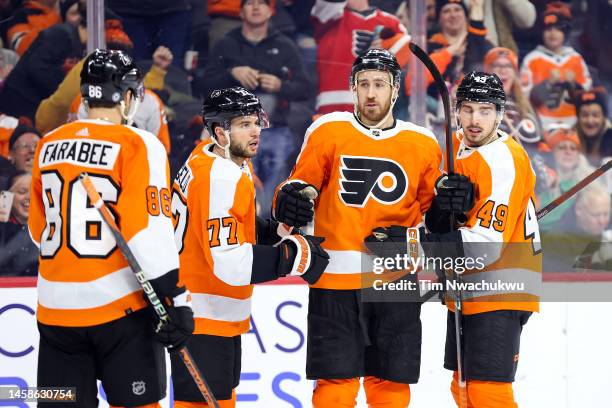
x,y
84,280
213,205
503,225
150,116
367,178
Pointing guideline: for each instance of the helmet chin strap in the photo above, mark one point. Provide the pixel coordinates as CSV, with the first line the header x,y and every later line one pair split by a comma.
x,y
226,148
128,117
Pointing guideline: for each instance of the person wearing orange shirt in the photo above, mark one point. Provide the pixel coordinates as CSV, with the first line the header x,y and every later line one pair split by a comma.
x,y
92,314
224,248
368,168
501,229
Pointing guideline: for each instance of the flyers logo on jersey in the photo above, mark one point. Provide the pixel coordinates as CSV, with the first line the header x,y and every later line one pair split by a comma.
x,y
363,177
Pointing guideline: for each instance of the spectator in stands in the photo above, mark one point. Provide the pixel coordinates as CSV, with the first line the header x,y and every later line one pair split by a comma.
x,y
593,126
19,255
554,71
7,126
403,14
577,240
71,11
343,30
152,23
225,17
38,73
28,21
54,111
268,63
22,147
8,60
595,44
460,46
519,119
501,16
570,166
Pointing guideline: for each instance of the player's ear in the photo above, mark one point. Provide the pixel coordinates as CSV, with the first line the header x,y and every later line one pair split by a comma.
x,y
220,135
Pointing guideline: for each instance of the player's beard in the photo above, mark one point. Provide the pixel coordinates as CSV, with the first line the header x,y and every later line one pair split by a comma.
x,y
241,151
377,115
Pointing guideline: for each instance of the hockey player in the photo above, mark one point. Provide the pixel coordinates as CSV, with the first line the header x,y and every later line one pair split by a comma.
x,y
223,250
369,169
92,315
503,224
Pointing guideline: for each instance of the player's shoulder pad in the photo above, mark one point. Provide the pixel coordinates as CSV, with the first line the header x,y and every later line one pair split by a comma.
x,y
329,118
153,144
411,127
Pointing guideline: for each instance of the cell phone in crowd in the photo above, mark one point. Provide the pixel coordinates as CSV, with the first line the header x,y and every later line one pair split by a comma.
x,y
6,202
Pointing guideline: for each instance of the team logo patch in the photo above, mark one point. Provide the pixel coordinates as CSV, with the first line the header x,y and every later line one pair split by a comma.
x,y
363,177
138,387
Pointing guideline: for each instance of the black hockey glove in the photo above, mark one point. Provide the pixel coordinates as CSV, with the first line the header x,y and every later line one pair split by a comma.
x,y
292,206
388,242
302,255
177,331
455,193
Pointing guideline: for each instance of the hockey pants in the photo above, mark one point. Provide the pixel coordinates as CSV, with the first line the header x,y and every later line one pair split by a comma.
x,y
230,403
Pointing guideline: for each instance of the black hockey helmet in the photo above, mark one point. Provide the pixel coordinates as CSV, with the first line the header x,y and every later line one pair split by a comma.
x,y
378,59
222,105
107,75
481,87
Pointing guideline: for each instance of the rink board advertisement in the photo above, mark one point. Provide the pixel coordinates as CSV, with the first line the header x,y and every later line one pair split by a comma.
x,y
564,359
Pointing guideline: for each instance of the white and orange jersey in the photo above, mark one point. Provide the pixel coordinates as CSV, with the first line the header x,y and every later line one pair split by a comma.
x,y
503,224
367,178
151,116
213,204
84,280
542,64
7,126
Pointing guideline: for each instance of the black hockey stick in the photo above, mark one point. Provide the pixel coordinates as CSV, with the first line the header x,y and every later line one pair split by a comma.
x,y
441,85
154,300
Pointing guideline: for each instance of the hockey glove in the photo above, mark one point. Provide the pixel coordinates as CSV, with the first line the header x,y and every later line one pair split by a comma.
x,y
389,242
455,193
302,255
177,331
293,207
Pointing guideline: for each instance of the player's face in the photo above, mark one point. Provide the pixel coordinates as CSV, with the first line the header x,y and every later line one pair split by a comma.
x,y
478,121
594,217
21,199
255,12
374,93
452,18
591,119
553,38
245,133
22,153
566,155
504,69
73,16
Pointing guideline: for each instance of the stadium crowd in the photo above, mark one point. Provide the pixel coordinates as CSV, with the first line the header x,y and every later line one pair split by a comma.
x,y
553,57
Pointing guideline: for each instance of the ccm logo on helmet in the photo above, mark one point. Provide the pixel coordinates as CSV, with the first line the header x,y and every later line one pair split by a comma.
x,y
363,177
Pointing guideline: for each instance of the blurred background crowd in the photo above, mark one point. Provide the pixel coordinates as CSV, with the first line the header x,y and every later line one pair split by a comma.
x,y
553,57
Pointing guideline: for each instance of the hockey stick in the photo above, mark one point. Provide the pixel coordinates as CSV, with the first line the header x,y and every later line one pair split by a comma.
x,y
441,85
154,300
579,186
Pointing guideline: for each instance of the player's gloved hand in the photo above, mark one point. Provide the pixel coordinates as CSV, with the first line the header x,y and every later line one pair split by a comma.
x,y
293,206
388,242
302,255
177,331
455,193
